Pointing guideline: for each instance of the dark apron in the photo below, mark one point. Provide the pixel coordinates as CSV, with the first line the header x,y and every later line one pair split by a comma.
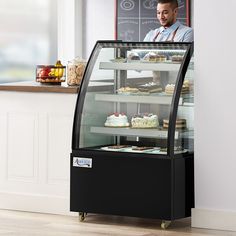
x,y
172,38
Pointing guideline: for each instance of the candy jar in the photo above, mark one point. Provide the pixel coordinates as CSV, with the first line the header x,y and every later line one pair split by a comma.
x,y
75,71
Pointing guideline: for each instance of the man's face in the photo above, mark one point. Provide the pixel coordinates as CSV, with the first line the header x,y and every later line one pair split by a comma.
x,y
166,14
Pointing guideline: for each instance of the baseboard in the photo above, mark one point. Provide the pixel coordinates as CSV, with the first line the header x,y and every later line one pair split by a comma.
x,y
214,219
35,203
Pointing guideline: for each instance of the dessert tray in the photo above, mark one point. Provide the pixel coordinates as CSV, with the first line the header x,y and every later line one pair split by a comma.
x,y
135,149
116,148
127,148
142,149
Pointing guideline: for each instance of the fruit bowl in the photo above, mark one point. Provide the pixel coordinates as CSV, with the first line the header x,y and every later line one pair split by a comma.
x,y
50,74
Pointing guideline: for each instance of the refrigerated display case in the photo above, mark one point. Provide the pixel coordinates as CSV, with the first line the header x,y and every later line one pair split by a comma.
x,y
133,132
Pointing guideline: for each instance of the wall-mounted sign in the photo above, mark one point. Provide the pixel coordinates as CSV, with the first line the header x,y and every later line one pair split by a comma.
x,y
135,18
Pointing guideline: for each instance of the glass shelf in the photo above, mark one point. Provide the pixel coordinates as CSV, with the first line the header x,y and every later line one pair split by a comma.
x,y
149,133
157,98
165,66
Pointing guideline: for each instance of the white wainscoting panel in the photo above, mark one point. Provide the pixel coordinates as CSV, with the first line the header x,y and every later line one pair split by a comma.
x,y
35,146
59,147
22,146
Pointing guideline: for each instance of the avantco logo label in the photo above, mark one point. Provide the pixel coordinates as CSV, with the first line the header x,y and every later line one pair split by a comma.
x,y
82,162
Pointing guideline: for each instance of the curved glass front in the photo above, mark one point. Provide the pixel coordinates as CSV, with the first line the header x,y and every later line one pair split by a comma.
x,y
185,115
128,97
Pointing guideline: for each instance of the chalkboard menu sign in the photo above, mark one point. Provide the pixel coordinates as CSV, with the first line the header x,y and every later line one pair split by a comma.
x,y
135,18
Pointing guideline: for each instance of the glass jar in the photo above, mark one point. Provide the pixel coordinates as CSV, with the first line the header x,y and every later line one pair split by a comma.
x,y
75,71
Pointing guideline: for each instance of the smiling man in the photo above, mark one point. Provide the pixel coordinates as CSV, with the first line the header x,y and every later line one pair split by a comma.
x,y
171,29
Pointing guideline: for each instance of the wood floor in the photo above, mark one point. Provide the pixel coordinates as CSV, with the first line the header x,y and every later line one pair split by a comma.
x,y
34,224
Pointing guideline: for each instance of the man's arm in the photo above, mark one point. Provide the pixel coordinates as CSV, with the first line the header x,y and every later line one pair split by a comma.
x,y
188,36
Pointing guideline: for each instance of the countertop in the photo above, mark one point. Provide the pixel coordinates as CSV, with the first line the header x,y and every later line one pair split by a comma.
x,y
32,86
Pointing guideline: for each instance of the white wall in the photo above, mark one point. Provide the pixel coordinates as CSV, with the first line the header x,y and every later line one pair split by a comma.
x,y
66,30
99,23
215,111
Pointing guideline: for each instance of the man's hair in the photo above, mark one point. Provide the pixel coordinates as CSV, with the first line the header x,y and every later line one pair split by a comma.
x,y
174,3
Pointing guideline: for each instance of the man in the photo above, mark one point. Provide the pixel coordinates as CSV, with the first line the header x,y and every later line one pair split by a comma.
x,y
171,29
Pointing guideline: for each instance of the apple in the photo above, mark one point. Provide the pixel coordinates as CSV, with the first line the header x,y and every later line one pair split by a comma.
x,y
43,72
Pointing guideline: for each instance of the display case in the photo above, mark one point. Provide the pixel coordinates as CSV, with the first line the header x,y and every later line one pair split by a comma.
x,y
133,133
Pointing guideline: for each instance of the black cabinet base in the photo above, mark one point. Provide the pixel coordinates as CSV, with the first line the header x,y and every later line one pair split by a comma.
x,y
136,185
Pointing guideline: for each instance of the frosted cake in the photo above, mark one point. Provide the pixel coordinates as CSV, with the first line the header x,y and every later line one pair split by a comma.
x,y
144,121
169,89
117,120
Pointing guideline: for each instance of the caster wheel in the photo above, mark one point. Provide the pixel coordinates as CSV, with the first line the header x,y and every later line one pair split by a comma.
x,y
81,216
165,224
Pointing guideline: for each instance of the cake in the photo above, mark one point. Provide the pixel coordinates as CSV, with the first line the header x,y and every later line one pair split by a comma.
x,y
154,57
119,59
187,86
133,56
177,58
150,87
127,90
118,147
180,124
160,58
144,121
150,57
117,120
141,148
169,89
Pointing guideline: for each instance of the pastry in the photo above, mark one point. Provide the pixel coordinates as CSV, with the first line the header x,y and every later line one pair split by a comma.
x,y
150,87
144,121
118,146
177,58
154,57
180,124
117,120
127,90
150,57
133,56
169,89
160,58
